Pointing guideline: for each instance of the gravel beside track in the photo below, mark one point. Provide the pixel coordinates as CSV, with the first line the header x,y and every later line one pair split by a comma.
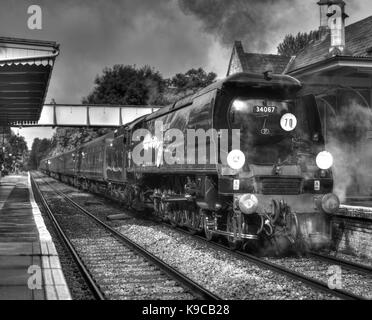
x,y
120,272
220,272
352,281
228,276
342,255
75,281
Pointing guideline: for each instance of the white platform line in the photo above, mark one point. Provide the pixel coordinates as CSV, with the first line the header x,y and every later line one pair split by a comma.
x,y
61,290
44,234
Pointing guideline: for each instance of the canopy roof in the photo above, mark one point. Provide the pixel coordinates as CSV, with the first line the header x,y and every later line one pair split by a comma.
x,y
25,70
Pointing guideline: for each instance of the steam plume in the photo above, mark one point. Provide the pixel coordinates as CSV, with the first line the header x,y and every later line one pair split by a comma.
x,y
248,20
350,143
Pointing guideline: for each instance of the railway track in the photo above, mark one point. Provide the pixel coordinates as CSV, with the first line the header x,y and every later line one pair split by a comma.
x,y
290,273
113,266
342,262
276,267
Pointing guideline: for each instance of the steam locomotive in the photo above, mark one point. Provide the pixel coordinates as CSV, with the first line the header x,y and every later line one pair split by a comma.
x,y
243,159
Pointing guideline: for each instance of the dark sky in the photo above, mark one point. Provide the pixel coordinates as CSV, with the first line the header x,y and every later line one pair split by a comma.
x,y
170,35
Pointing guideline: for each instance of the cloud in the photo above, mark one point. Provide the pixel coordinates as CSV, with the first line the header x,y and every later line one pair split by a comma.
x,y
170,35
262,24
100,33
96,34
247,20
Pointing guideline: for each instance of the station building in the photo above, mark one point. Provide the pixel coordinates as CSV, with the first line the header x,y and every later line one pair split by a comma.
x,y
337,68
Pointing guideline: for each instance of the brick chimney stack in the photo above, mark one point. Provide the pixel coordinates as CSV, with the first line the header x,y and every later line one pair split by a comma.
x,y
323,27
332,20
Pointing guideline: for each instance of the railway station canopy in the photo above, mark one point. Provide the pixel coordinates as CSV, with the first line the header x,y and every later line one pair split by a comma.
x,y
25,70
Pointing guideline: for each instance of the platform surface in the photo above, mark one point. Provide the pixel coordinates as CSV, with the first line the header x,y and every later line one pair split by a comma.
x,y
29,263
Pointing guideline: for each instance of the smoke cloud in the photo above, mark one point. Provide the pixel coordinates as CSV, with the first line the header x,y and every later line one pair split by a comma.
x,y
251,21
350,143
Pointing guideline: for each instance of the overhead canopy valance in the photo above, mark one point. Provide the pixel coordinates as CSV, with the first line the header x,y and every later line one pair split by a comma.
x,y
25,71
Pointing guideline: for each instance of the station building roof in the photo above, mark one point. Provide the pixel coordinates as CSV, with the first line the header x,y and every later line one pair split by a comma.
x,y
25,70
358,44
358,48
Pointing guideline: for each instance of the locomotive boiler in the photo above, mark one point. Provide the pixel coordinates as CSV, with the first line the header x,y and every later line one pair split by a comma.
x,y
242,159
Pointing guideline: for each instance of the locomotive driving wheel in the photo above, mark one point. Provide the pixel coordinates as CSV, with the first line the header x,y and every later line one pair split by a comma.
x,y
174,218
209,235
194,221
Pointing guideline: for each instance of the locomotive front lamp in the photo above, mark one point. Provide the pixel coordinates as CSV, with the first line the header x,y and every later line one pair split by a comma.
x,y
236,159
330,203
239,105
323,173
324,160
248,203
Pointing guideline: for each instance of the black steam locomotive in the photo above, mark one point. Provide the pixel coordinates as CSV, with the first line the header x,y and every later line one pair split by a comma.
x,y
242,159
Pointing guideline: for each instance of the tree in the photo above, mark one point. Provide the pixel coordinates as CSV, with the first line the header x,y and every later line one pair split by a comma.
x,y
183,84
194,79
127,85
292,45
122,85
14,151
39,150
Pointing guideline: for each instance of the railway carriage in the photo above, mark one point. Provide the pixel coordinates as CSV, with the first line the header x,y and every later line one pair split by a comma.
x,y
70,167
242,159
44,166
56,166
92,163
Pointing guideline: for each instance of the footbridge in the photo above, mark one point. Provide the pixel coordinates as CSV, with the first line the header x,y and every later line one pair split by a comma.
x,y
25,72
84,115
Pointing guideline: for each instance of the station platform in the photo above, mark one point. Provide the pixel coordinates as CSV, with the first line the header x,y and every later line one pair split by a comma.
x,y
29,264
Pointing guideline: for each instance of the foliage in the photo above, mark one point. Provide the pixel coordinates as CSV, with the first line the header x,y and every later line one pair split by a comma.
x,y
183,84
65,139
193,79
39,150
13,152
127,85
292,45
